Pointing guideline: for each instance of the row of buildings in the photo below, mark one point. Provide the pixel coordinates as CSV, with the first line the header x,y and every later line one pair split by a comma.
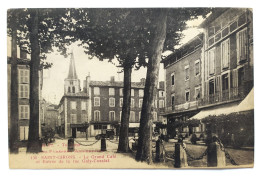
x,y
98,106
208,82
210,76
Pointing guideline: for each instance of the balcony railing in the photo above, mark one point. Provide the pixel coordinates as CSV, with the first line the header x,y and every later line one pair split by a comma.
x,y
223,96
219,97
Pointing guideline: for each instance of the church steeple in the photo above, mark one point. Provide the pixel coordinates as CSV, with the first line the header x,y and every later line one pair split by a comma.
x,y
72,69
72,83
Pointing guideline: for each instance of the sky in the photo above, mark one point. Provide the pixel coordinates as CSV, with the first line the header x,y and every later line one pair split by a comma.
x,y
53,78
53,81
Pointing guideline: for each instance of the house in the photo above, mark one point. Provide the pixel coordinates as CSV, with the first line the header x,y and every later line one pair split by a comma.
x,y
74,106
50,116
107,101
23,74
225,58
183,84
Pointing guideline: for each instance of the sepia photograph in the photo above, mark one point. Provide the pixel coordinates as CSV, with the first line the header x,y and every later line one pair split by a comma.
x,y
130,88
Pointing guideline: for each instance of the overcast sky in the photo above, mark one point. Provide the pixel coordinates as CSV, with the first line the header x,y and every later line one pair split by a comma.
x,y
53,82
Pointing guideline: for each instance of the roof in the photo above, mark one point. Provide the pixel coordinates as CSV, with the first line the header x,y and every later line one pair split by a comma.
x,y
72,69
187,48
115,84
76,94
216,12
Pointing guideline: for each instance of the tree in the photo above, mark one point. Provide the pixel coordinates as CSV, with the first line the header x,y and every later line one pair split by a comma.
x,y
165,34
13,130
110,34
38,32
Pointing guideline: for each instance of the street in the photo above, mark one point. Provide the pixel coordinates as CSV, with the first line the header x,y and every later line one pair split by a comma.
x,y
87,154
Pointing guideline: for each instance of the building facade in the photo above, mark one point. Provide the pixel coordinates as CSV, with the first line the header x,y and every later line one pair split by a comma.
x,y
107,101
50,117
23,74
222,78
183,84
74,106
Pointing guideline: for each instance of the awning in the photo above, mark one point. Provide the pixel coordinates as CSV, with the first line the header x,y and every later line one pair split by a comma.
x,y
245,105
248,103
216,111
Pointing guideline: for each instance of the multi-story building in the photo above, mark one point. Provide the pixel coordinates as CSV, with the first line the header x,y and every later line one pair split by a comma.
x,y
225,72
107,101
183,83
74,106
50,116
23,74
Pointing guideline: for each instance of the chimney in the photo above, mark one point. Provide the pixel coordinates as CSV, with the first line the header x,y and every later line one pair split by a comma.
x,y
87,83
23,54
142,81
112,79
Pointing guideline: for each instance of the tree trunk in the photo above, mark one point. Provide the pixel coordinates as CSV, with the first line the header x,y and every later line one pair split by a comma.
x,y
123,145
144,149
34,145
14,117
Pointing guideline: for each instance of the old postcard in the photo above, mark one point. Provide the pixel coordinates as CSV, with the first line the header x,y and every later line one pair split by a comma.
x,y
130,88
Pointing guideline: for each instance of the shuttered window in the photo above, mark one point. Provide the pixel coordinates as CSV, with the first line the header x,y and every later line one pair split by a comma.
x,y
23,90
24,132
24,76
24,112
241,38
225,53
211,58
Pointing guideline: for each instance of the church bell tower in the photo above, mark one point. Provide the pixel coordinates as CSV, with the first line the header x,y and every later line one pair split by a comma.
x,y
72,83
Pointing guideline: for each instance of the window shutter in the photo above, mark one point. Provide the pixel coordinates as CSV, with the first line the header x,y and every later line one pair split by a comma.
x,y
26,132
218,86
21,91
206,97
26,91
22,132
26,112
21,76
235,81
26,76
238,46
